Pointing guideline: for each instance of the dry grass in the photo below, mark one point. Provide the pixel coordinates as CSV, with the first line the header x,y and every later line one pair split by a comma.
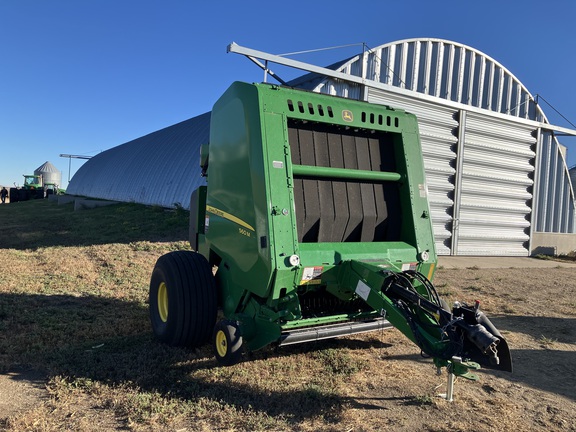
x,y
73,311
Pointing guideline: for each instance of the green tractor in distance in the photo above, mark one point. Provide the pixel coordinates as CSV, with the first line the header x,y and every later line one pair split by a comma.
x,y
53,189
33,188
316,216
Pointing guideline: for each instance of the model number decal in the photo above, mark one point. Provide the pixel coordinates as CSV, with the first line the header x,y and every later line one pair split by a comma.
x,y
244,232
228,216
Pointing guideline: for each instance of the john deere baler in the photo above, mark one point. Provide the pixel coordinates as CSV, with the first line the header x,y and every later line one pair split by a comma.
x,y
316,221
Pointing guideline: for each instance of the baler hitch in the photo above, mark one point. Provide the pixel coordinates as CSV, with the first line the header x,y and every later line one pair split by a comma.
x,y
414,307
465,332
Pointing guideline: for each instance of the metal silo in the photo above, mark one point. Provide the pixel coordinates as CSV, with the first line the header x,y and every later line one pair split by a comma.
x,y
49,173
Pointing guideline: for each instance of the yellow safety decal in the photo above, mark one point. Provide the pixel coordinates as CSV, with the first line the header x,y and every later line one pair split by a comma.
x,y
431,271
312,275
228,216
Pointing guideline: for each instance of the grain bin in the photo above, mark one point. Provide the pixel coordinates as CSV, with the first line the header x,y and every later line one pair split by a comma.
x,y
49,173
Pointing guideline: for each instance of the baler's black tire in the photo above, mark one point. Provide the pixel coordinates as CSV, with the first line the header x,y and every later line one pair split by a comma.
x,y
182,299
227,342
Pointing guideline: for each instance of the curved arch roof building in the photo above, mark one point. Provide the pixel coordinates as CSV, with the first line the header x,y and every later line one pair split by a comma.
x,y
495,170
161,168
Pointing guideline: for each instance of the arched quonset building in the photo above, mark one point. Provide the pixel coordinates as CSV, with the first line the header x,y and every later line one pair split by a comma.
x,y
495,170
161,168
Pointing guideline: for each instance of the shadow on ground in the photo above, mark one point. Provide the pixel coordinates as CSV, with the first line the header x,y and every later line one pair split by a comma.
x,y
110,341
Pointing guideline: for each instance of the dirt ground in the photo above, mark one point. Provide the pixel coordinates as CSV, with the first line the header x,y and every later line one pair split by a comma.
x,y
534,308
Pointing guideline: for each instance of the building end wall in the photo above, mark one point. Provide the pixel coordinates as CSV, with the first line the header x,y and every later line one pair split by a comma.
x,y
553,243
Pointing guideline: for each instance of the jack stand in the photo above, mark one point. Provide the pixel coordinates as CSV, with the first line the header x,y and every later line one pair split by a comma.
x,y
449,395
456,367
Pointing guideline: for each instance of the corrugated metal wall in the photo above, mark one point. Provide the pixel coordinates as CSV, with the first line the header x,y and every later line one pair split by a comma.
x,y
555,204
450,71
479,173
161,168
572,172
495,199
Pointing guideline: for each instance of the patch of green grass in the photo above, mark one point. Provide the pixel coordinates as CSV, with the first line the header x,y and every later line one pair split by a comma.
x,y
543,257
42,223
422,400
339,362
546,342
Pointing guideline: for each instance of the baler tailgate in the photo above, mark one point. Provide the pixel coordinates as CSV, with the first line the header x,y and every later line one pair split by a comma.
x,y
340,186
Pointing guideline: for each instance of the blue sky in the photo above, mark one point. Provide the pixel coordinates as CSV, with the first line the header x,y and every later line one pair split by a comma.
x,y
82,76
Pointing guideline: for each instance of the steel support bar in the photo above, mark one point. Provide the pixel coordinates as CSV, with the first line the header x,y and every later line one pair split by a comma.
x,y
237,49
332,331
458,182
343,173
248,52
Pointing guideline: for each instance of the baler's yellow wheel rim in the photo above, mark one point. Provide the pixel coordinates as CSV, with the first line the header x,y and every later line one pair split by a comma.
x,y
221,343
163,301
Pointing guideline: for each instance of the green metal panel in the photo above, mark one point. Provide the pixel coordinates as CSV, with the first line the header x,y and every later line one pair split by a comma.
x,y
254,210
237,213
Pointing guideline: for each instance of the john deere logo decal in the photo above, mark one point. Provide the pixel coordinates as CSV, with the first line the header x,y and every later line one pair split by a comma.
x,y
347,116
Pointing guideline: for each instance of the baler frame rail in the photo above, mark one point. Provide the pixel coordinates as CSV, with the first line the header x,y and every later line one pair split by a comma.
x,y
329,331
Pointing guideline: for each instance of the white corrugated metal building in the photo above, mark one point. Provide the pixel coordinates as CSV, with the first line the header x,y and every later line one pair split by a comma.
x,y
495,170
161,168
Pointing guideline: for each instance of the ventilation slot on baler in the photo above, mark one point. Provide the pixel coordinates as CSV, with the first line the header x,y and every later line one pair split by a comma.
x,y
345,185
319,108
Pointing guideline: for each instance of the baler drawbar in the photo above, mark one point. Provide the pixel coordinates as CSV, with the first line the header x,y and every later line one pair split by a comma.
x,y
316,217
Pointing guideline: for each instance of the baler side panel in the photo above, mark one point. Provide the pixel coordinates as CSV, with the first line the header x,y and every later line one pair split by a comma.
x,y
237,202
417,226
282,238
